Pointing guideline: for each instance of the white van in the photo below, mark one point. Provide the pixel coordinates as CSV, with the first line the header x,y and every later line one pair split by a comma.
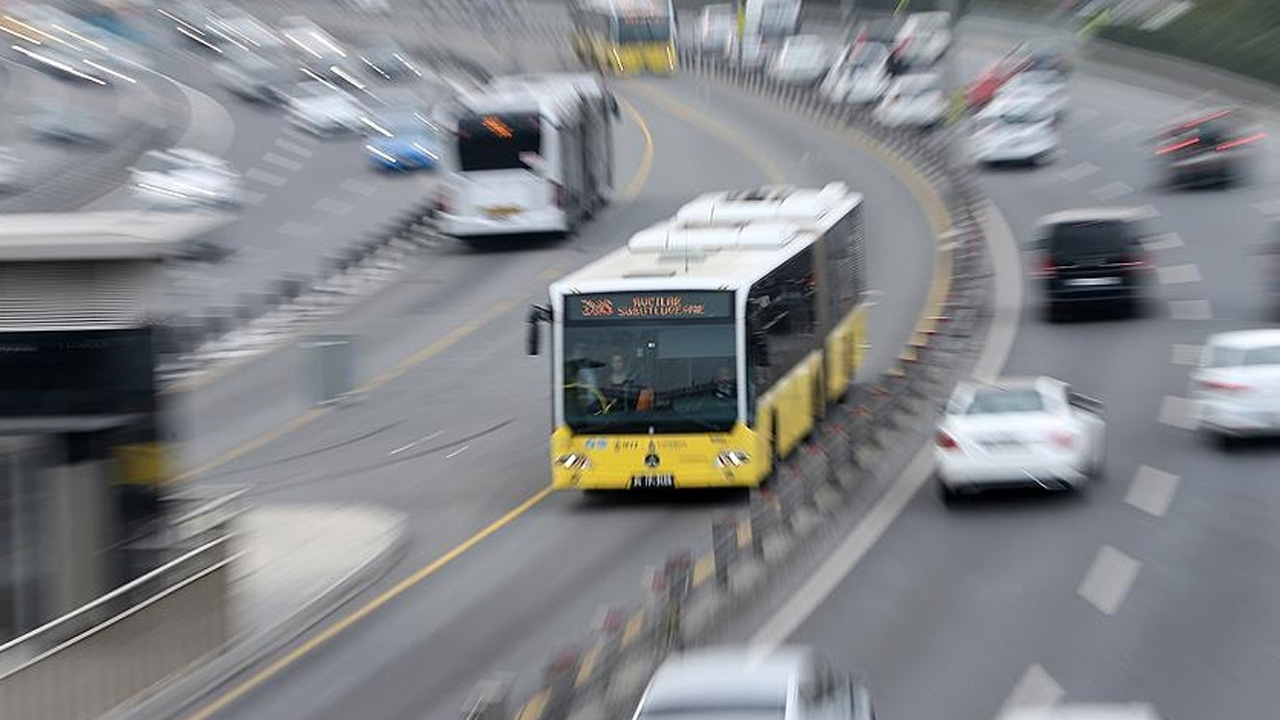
x,y
530,155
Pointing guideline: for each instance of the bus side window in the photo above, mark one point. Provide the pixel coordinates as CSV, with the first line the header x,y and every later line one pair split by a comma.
x,y
784,311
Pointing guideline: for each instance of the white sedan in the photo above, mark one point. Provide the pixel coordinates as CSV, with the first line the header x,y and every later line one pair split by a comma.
x,y
322,109
1020,432
913,101
184,178
1237,387
1009,133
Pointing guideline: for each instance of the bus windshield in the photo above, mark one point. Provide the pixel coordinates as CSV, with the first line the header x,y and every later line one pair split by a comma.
x,y
672,376
496,142
654,29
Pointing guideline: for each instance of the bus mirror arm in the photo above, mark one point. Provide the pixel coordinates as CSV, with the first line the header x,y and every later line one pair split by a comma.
x,y
537,316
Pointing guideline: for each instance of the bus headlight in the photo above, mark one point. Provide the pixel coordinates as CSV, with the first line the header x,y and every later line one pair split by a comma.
x,y
732,459
574,461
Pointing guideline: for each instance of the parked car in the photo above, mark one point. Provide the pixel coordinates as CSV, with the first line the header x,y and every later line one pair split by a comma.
x,y
185,178
716,26
860,77
1092,257
988,82
389,62
67,124
404,139
252,76
1044,87
791,682
802,60
1018,432
1084,711
923,39
1237,386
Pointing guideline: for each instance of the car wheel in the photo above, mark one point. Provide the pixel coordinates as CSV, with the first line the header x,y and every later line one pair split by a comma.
x,y
1054,313
1097,468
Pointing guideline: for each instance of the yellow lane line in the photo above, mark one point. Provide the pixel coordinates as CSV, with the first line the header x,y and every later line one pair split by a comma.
x,y
715,128
588,664
332,631
434,348
633,628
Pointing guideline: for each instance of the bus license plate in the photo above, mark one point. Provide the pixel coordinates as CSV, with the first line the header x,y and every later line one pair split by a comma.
x,y
652,482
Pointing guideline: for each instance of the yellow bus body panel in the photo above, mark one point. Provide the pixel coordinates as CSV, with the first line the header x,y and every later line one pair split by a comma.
x,y
844,353
142,463
690,458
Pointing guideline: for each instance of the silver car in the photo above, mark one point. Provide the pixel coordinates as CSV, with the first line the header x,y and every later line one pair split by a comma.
x,y
740,683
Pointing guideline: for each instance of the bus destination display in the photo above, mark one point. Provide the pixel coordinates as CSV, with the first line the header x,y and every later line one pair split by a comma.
x,y
649,306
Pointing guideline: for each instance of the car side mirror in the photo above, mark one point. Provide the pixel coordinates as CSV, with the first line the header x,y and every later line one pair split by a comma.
x,y
614,107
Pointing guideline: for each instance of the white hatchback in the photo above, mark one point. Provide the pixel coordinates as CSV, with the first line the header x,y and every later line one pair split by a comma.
x,y
788,683
1237,386
802,60
860,77
1018,432
322,109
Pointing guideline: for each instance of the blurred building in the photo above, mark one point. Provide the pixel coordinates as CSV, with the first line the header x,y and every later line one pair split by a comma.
x,y
83,457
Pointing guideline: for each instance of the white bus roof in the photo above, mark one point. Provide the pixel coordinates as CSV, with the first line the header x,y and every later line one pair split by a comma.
x,y
647,7
552,103
678,254
586,83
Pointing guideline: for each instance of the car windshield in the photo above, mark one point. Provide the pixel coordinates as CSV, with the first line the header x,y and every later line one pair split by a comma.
x,y
628,375
1238,357
997,401
1084,239
404,122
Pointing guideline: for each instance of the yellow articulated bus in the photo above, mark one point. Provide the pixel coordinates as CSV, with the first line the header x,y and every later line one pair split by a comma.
x,y
709,346
625,37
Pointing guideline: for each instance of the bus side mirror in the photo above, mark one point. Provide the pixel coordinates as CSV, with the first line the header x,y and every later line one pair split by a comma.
x,y
537,316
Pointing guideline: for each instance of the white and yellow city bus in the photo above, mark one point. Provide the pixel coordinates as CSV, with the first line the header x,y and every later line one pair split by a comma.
x,y
625,37
708,347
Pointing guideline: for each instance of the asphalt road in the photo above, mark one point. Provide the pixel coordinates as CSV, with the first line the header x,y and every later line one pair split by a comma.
x,y
456,436
1157,585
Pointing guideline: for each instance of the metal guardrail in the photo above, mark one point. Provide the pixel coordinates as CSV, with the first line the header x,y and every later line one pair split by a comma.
x,y
93,659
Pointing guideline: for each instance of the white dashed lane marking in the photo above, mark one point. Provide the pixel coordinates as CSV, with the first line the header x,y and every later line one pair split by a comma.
x,y
294,228
1178,274
1152,490
1108,580
355,187
1078,172
265,177
1111,191
1166,241
1190,310
1178,412
333,207
293,148
282,162
1035,689
1186,354
457,452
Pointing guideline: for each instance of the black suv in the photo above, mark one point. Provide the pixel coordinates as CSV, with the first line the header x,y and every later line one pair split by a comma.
x,y
1216,148
1091,258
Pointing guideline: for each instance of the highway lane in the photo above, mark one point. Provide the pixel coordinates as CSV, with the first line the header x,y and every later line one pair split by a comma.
x,y
1157,585
305,197
457,455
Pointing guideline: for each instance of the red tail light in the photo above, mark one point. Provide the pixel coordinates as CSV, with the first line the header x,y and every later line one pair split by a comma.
x,y
559,196
1222,386
1062,439
945,441
1178,146
1241,141
1135,261
1046,268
